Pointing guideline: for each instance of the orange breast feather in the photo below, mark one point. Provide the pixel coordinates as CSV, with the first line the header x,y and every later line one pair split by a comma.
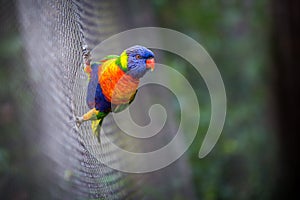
x,y
116,85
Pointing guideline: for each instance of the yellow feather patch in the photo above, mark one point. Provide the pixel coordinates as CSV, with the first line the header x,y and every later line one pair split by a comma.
x,y
124,59
96,128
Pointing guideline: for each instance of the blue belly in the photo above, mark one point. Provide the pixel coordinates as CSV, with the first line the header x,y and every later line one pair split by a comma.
x,y
95,98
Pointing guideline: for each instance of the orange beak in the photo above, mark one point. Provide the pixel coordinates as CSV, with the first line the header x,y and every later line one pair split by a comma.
x,y
150,63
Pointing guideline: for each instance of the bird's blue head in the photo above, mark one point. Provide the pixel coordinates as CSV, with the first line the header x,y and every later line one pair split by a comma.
x,y
136,61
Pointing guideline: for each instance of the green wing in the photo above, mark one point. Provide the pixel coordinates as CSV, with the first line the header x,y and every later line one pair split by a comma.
x,y
109,57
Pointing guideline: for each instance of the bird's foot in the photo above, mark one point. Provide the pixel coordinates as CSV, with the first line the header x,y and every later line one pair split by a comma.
x,y
86,55
78,121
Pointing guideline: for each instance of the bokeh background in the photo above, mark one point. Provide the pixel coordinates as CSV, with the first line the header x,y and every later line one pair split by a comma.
x,y
254,43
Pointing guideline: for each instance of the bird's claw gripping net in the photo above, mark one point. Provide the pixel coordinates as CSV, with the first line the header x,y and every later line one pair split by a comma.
x,y
86,55
78,120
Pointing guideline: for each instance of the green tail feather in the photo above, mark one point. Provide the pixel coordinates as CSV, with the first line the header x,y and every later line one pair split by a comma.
x,y
96,127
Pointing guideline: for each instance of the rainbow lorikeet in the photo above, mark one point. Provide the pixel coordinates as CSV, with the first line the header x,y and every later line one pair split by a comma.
x,y
113,83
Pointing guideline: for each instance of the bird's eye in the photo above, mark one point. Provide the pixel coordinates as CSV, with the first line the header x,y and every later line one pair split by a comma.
x,y
138,56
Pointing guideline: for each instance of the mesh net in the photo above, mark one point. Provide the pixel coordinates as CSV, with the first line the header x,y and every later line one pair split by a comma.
x,y
53,34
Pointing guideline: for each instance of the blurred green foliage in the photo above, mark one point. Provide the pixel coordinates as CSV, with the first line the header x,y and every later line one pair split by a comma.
x,y
236,35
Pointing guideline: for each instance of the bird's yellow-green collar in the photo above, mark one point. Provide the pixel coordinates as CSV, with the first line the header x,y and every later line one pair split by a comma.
x,y
122,61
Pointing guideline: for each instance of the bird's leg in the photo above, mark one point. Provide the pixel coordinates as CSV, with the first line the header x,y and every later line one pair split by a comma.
x,y
90,115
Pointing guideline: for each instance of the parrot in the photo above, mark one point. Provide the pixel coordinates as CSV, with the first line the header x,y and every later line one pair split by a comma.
x,y
113,83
